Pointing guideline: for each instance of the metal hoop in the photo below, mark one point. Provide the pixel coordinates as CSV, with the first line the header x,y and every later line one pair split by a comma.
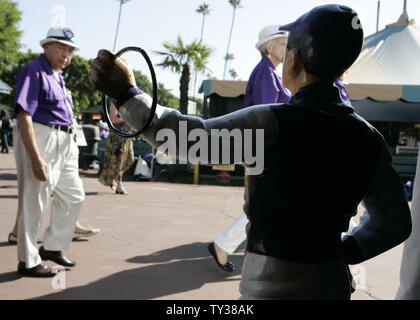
x,y
155,93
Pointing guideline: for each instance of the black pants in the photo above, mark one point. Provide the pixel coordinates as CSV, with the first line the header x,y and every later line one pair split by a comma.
x,y
4,142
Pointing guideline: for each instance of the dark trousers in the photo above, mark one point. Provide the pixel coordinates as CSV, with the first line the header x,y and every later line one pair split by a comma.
x,y
4,142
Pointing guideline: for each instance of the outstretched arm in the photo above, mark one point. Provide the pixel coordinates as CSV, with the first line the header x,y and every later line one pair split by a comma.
x,y
240,136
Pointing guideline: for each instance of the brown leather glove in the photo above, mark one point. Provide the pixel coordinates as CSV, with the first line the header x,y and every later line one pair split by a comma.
x,y
109,75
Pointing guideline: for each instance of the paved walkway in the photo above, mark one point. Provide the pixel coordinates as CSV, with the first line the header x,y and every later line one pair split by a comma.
x,y
152,245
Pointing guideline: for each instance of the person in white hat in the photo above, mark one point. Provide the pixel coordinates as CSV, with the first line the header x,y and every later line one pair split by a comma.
x,y
264,85
46,157
61,35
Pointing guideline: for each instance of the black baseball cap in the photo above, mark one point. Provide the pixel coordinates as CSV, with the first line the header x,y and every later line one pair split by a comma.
x,y
329,39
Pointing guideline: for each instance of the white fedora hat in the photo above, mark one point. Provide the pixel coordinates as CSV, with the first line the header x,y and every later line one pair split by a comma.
x,y
60,34
269,33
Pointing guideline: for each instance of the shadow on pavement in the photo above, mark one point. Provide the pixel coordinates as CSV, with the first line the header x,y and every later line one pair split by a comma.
x,y
92,193
9,276
8,196
6,244
193,267
187,251
88,174
8,176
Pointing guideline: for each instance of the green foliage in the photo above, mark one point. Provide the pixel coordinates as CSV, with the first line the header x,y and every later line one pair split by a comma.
x,y
10,75
233,74
76,76
179,54
203,8
235,3
180,58
165,97
143,82
9,35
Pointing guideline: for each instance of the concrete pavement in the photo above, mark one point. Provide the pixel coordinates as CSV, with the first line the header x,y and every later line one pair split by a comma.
x,y
152,245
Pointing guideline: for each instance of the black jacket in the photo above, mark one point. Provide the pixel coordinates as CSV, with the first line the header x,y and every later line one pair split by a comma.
x,y
320,160
322,165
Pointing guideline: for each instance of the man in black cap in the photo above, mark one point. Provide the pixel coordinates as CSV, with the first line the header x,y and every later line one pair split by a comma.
x,y
314,143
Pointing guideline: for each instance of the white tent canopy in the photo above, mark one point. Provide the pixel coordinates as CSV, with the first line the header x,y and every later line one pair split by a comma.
x,y
388,66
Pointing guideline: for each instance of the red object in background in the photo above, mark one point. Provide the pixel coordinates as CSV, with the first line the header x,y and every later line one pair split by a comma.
x,y
96,117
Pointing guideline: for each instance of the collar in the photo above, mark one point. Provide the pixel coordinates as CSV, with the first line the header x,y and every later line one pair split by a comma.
x,y
322,95
267,61
46,64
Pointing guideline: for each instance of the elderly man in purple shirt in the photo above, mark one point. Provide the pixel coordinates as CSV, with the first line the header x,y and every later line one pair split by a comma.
x,y
46,156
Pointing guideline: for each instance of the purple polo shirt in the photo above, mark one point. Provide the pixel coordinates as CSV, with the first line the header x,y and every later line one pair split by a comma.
x,y
39,93
264,85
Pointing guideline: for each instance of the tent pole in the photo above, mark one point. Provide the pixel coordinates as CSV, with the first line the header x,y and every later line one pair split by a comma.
x,y
377,16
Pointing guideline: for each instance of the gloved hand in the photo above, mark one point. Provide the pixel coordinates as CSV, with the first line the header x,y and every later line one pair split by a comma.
x,y
109,75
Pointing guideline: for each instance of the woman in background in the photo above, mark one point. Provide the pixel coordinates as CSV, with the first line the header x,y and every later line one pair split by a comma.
x,y
119,156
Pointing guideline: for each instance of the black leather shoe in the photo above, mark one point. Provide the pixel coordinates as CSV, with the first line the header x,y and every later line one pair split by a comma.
x,y
57,257
39,271
228,266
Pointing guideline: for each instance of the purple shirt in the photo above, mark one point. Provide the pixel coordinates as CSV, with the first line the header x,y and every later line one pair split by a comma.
x,y
39,93
343,91
103,134
264,85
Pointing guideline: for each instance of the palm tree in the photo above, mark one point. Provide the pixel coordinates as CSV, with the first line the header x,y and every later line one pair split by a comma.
x,y
180,58
233,73
228,58
204,10
118,23
235,4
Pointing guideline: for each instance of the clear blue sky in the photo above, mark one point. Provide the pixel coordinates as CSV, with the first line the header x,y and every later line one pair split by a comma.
x,y
148,23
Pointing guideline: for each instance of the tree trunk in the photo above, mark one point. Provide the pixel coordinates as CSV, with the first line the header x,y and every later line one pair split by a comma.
x,y
202,27
183,88
196,71
230,38
118,26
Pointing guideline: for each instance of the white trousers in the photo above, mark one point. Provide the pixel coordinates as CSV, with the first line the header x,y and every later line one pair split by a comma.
x,y
233,236
60,152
